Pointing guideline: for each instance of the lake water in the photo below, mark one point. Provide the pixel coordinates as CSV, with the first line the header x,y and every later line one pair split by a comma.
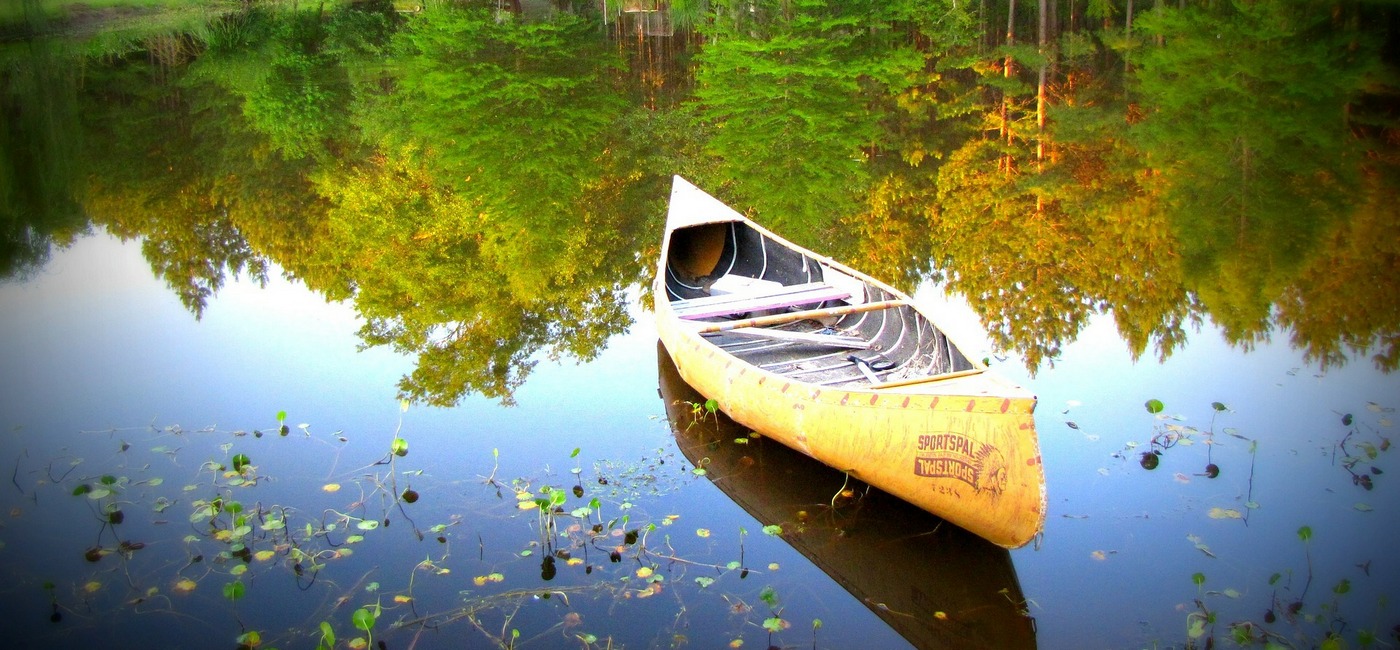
x,y
332,328
101,357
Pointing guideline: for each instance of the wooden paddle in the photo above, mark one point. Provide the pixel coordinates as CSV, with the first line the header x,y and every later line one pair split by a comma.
x,y
778,319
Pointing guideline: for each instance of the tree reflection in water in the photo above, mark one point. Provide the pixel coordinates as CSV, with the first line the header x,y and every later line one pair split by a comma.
x,y
485,188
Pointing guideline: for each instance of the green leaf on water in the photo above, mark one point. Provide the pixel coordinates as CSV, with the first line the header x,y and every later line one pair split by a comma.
x,y
281,417
772,529
1154,406
1196,626
1363,507
234,590
1219,406
99,493
82,489
575,453
1198,578
704,581
399,447
769,596
1305,533
1342,587
773,624
711,405
363,619
367,524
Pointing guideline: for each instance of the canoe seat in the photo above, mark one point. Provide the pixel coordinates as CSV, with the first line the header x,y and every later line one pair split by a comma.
x,y
758,300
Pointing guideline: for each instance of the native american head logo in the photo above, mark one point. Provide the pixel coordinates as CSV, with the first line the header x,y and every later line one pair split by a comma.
x,y
989,467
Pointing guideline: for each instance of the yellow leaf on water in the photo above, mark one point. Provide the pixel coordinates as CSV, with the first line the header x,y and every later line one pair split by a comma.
x,y
402,599
1225,513
185,586
263,556
479,581
575,561
92,587
1098,555
331,487
644,572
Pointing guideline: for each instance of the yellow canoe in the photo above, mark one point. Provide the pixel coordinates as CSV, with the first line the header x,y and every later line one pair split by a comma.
x,y
845,369
935,584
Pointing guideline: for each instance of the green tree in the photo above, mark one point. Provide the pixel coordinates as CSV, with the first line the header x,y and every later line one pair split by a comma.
x,y
429,280
40,144
792,93
1244,119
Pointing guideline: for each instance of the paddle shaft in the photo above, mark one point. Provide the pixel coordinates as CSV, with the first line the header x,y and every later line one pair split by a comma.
x,y
778,319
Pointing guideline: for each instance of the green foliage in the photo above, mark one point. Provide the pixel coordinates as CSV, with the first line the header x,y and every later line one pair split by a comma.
x,y
363,619
1233,101
805,83
327,639
520,102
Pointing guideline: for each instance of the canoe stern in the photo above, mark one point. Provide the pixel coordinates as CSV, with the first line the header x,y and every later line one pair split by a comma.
x,y
971,459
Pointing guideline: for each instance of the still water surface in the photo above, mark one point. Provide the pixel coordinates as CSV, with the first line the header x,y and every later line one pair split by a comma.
x,y
232,244
105,366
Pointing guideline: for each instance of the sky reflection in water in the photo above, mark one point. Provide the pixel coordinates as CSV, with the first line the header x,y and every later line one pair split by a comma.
x,y
94,343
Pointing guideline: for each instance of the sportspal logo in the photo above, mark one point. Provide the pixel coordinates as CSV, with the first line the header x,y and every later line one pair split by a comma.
x,y
956,456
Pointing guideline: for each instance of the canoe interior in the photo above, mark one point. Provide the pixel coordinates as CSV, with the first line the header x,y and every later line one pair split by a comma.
x,y
902,344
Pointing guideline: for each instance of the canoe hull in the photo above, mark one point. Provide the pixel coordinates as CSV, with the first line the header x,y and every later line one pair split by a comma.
x,y
959,443
970,459
935,584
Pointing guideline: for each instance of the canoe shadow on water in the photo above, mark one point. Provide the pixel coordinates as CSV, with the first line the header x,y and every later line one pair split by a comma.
x,y
937,585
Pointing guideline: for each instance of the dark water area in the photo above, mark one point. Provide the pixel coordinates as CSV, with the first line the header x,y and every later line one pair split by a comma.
x,y
248,259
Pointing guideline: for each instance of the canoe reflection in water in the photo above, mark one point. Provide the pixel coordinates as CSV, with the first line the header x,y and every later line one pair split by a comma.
x,y
937,585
